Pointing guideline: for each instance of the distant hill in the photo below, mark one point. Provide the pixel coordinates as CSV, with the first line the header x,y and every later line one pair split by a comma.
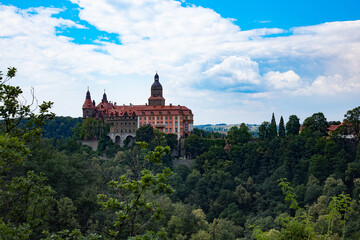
x,y
223,128
60,127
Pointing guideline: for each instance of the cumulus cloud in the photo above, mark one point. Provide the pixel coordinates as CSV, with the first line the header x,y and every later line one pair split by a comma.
x,y
283,80
232,71
330,86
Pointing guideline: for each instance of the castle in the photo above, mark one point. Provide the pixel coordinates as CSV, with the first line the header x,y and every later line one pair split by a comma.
x,y
126,119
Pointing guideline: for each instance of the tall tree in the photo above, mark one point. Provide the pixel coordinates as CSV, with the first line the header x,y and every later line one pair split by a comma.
x,y
293,125
316,124
281,128
239,135
195,145
91,129
132,204
353,118
264,130
145,133
13,111
25,201
272,127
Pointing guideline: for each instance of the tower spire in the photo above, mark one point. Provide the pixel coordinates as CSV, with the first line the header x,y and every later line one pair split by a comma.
x,y
88,94
104,99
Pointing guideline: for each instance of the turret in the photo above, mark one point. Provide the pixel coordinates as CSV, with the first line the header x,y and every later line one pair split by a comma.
x,y
156,98
88,107
104,99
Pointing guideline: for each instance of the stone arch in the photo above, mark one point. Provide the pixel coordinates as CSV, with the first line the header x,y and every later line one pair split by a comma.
x,y
117,140
121,136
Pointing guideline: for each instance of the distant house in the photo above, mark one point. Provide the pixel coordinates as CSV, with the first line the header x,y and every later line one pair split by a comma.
x,y
301,128
343,130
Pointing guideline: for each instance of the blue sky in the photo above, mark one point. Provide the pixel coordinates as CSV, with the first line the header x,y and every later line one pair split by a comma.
x,y
229,61
282,13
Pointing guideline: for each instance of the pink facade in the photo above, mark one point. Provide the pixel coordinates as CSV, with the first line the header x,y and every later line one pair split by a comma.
x,y
127,118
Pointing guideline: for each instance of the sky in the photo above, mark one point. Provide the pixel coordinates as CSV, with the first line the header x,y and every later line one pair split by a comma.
x,y
229,61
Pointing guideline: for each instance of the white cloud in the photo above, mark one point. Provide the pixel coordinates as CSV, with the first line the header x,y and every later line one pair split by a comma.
x,y
331,85
285,80
234,70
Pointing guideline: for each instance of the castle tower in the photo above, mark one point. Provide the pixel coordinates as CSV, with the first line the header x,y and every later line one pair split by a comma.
x,y
156,98
104,99
88,107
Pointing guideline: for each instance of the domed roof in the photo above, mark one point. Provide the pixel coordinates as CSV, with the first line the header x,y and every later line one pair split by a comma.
x,y
156,83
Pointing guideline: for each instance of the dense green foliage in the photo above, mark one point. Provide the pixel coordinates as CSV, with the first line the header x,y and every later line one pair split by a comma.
x,y
293,125
281,128
60,127
239,135
55,188
352,117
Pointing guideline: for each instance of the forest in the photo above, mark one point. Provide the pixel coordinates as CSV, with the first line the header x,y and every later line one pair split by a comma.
x,y
282,184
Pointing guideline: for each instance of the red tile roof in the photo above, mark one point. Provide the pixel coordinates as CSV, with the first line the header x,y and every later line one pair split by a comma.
x,y
158,97
109,108
88,104
333,127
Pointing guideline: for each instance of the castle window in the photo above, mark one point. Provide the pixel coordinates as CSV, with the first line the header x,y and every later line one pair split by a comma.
x,y
165,118
143,113
139,118
151,113
170,118
166,130
160,113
